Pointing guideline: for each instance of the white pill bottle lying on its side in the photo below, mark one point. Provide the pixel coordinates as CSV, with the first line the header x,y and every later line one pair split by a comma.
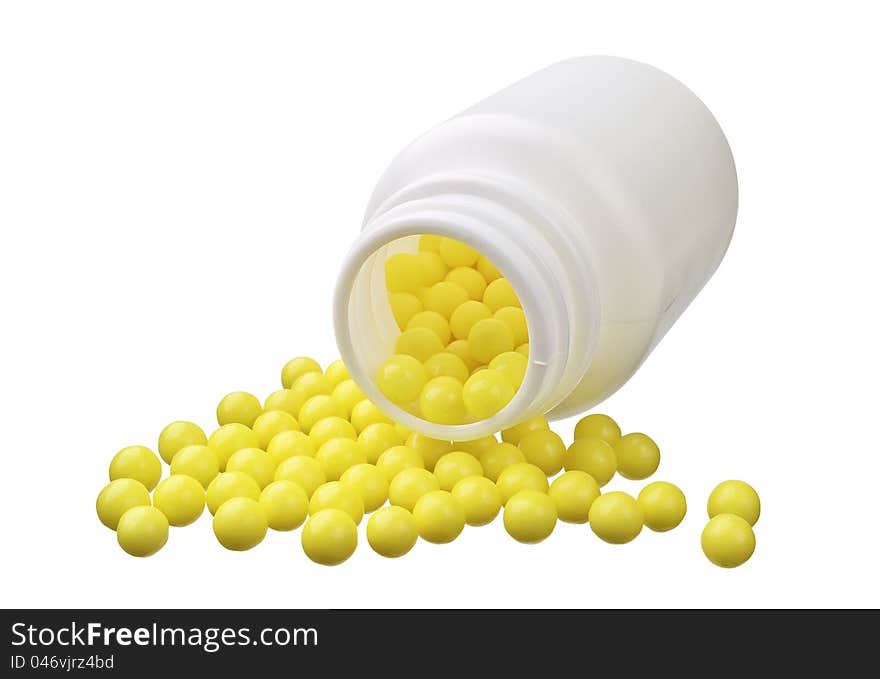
x,y
605,192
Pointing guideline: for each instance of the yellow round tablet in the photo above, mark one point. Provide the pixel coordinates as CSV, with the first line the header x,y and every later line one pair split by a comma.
x,y
337,455
512,365
334,494
366,413
444,297
229,485
499,294
401,378
240,523
332,427
119,496
498,458
267,425
479,498
616,517
489,271
441,401
347,395
391,532
304,471
256,463
296,368
455,253
240,407
329,537
543,448
402,273
515,318
337,373
317,408
515,433
404,305
199,462
735,497
378,437
177,435
637,456
529,516
445,364
286,444
521,476
594,456
138,463
309,385
180,498
597,426
229,439
409,485
284,400
142,530
418,342
369,483
574,493
429,450
663,504
455,466
470,279
433,321
461,348
488,338
286,505
728,540
486,393
438,517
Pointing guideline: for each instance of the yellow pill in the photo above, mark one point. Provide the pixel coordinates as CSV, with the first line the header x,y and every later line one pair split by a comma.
x,y
286,444
283,400
486,393
267,425
438,517
178,435
138,463
455,253
499,294
308,386
229,439
422,293
306,472
401,378
430,243
727,540
396,459
392,532
240,523
515,319
521,476
479,498
404,305
444,298
488,270
199,462
430,450
402,273
434,322
498,458
296,368
420,343
465,316
347,395
378,437
432,266
455,466
240,407
574,493
286,505
337,373
470,279
616,517
488,338
597,426
515,433
530,516
119,496
523,349
337,455
331,428
142,531
369,482
461,349
594,456
317,408
229,485
476,447
637,456
663,504
366,413
544,449
180,498
335,495
446,365
512,365
256,463
735,497
409,485
329,537
441,401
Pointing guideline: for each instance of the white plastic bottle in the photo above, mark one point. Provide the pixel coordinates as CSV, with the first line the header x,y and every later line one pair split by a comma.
x,y
602,188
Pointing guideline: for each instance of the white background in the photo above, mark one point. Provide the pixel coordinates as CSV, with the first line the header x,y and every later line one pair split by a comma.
x,y
178,181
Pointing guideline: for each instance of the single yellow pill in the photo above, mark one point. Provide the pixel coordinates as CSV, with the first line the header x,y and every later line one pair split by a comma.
x,y
284,400
119,496
317,408
461,348
240,523
434,322
404,305
512,365
329,537
337,373
180,498
378,437
498,458
432,267
445,364
229,439
240,407
229,485
637,456
663,504
309,385
597,426
430,450
735,497
296,368
138,463
515,433
487,269
286,505
331,428
499,294
142,531
267,425
470,279
438,517
392,532
306,472
178,435
476,447
523,349
455,466
455,253
728,540
616,517
369,482
199,462
256,463
420,343
336,495
594,456
430,243
409,485
347,395
366,413
479,498
396,459
488,338
574,493
530,516
337,455
544,449
486,393
401,378
402,273
521,476
441,401
444,297
286,444
515,318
